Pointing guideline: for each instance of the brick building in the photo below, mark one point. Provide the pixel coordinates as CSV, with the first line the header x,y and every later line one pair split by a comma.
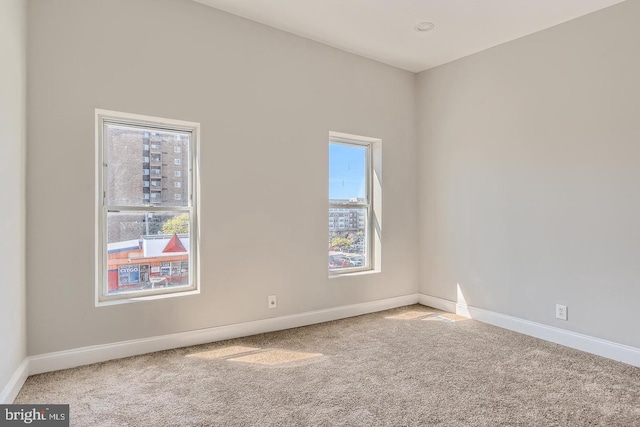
x,y
154,165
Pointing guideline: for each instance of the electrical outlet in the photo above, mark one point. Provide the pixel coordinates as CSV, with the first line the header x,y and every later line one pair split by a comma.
x,y
273,301
561,312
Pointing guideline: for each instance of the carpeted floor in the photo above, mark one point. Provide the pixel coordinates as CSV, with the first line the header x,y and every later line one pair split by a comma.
x,y
411,366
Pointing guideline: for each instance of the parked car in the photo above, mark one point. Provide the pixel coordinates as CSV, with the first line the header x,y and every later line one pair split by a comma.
x,y
355,260
336,261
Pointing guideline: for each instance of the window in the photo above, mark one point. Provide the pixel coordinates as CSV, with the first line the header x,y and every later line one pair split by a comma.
x,y
135,225
351,209
177,184
177,174
177,149
176,161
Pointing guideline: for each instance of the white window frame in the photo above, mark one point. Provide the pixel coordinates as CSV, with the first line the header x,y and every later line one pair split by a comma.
x,y
371,204
102,118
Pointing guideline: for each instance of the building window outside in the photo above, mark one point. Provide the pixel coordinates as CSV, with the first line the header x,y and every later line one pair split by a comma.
x,y
136,238
350,205
177,174
176,161
177,149
177,184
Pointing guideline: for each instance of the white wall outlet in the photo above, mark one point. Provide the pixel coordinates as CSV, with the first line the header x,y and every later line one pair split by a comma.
x,y
561,312
273,301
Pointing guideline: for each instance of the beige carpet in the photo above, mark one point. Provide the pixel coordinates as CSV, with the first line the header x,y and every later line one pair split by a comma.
x,y
411,366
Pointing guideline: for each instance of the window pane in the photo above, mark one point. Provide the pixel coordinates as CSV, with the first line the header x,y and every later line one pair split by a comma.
x,y
147,251
347,238
139,158
347,173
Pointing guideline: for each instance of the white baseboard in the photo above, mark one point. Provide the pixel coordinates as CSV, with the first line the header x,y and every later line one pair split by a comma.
x,y
435,302
99,353
11,390
586,343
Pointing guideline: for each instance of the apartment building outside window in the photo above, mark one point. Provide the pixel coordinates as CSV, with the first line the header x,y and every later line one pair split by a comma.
x,y
145,223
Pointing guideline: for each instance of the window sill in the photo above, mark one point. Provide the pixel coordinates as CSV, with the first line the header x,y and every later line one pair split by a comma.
x,y
146,298
354,273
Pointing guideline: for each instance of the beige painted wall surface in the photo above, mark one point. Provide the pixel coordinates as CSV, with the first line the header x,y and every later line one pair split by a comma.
x,y
12,174
266,101
529,175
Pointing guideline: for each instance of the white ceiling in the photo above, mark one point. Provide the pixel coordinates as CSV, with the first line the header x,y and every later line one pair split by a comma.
x,y
383,29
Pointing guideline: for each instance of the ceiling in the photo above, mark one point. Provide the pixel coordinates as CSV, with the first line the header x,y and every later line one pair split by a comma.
x,y
383,30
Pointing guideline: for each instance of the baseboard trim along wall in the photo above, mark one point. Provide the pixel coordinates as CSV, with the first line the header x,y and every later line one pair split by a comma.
x,y
99,353
11,390
439,303
586,343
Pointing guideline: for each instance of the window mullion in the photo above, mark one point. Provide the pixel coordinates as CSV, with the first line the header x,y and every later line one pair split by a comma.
x,y
114,208
354,206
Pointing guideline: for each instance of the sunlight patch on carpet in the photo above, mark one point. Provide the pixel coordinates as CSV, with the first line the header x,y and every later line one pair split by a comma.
x,y
221,353
407,315
446,317
275,357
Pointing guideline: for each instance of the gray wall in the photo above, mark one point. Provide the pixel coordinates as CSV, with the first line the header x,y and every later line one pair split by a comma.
x,y
266,101
12,175
529,172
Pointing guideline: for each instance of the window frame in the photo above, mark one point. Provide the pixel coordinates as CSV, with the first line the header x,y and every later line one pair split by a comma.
x,y
150,123
353,140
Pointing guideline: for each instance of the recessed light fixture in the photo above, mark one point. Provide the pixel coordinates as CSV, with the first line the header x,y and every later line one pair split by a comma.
x,y
423,27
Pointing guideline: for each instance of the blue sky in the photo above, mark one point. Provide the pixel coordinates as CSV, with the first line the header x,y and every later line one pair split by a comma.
x,y
346,171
